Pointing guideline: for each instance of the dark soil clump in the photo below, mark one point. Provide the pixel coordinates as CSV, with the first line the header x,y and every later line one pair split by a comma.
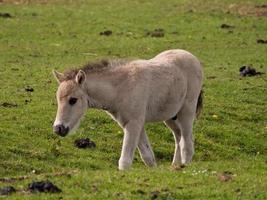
x,y
43,186
154,195
248,71
29,89
84,143
159,32
106,33
27,101
5,15
261,41
226,26
7,190
8,105
211,77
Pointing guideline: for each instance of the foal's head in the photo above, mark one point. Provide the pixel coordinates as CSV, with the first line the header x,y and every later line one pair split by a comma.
x,y
72,102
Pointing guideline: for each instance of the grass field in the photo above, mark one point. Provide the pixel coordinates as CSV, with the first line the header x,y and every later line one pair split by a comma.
x,y
230,136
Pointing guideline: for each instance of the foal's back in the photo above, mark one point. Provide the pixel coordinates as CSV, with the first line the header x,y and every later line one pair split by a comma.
x,y
167,81
185,66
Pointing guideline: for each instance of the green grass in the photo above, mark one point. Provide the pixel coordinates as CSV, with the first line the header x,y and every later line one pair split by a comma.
x,y
63,34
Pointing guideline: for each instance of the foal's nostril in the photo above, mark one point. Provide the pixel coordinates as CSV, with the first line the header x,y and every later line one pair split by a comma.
x,y
61,130
57,128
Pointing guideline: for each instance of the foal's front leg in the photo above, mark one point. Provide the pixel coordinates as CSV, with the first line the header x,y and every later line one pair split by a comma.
x,y
132,131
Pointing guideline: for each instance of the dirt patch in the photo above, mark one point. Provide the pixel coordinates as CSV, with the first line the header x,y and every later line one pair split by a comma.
x,y
26,101
8,105
249,10
261,6
17,2
225,176
7,190
154,195
84,143
139,191
43,186
106,33
5,15
94,188
159,32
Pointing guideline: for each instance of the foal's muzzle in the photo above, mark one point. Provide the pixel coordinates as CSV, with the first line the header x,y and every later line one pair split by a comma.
x,y
61,130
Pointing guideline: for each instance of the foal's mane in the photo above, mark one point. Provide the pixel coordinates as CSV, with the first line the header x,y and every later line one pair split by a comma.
x,y
94,67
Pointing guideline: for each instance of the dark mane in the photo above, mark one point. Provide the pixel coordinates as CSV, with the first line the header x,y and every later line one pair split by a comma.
x,y
94,67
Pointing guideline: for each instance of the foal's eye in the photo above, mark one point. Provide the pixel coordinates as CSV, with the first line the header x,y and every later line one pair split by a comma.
x,y
72,100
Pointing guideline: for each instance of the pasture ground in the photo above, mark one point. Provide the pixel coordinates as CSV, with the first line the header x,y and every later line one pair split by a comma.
x,y
231,135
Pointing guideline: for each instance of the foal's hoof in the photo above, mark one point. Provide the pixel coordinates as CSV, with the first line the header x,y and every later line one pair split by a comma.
x,y
150,162
177,167
151,165
124,166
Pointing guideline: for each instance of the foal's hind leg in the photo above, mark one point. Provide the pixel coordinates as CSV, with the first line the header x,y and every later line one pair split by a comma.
x,y
186,117
174,126
145,150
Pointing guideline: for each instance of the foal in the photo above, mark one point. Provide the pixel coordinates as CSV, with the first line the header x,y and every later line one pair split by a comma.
x,y
165,88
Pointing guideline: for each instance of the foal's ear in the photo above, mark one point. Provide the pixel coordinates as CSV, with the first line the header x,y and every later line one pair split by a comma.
x,y
80,77
59,76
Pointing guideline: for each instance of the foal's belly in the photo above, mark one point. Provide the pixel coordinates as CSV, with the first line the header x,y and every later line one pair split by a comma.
x,y
160,117
162,111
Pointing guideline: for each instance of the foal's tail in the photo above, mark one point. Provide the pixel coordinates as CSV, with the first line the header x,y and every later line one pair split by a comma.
x,y
199,104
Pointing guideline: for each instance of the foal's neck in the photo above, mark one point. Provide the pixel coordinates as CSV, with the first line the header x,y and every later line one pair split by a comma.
x,y
101,92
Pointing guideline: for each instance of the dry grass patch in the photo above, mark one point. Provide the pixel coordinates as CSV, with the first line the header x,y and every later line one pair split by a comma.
x,y
249,10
